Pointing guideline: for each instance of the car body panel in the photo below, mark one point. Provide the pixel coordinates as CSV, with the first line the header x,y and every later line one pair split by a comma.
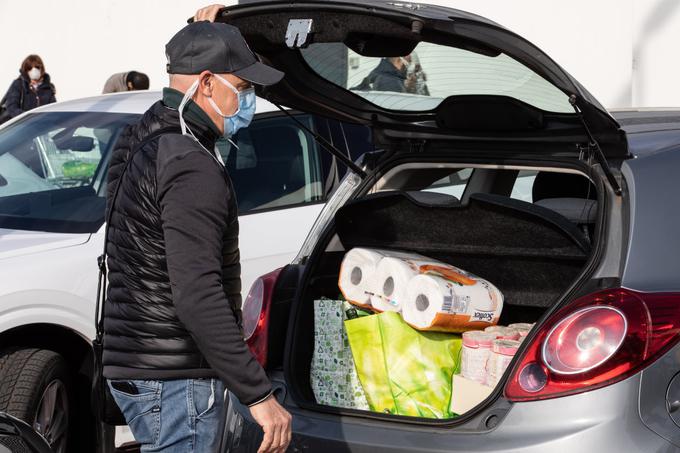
x,y
657,393
531,427
653,257
56,286
22,242
126,102
649,130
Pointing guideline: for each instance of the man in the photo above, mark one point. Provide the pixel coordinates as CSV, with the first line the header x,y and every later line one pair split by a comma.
x,y
390,75
126,81
172,341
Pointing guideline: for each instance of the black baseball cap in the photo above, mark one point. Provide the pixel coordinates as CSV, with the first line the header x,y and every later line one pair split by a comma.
x,y
218,48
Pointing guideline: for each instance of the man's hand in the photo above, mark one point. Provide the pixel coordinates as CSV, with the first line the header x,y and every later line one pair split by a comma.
x,y
208,13
276,424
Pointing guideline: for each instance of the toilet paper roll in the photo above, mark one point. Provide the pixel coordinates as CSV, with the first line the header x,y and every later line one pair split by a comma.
x,y
357,272
447,305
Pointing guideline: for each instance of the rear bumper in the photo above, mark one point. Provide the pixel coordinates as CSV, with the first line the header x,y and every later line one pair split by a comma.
x,y
605,420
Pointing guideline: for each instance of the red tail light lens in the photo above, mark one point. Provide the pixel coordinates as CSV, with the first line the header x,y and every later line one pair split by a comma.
x,y
256,315
596,341
584,340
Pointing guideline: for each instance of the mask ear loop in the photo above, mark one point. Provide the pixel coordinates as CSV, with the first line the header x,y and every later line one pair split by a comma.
x,y
183,125
236,92
188,95
238,105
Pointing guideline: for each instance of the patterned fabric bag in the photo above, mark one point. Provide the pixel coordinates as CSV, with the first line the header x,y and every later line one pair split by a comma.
x,y
404,371
333,374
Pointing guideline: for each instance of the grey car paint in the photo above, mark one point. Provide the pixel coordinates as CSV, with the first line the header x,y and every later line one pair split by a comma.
x,y
653,257
652,265
605,420
659,388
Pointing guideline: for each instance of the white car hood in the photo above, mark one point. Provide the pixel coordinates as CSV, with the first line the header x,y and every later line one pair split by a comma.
x,y
21,242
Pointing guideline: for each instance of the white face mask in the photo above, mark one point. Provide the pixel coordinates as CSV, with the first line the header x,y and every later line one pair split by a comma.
x,y
34,74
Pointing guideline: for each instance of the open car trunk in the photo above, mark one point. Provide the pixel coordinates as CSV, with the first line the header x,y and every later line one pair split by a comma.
x,y
530,253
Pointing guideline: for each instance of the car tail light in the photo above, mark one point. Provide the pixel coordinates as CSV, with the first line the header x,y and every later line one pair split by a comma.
x,y
597,340
256,315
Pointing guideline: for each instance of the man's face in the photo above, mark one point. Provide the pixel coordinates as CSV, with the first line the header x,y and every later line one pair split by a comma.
x,y
224,97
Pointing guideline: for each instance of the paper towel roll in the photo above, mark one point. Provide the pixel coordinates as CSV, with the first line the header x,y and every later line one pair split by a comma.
x,y
391,280
449,305
357,272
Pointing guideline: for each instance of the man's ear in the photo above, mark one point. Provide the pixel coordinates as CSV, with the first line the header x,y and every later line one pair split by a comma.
x,y
206,83
130,87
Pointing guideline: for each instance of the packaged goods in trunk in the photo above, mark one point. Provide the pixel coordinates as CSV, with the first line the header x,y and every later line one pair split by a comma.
x,y
477,347
503,332
465,269
501,355
430,294
357,278
453,302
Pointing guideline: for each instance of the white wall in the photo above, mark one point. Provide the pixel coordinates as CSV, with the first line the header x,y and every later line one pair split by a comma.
x,y
623,51
83,42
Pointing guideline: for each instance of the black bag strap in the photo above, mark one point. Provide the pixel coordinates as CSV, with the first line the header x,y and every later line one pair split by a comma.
x,y
101,259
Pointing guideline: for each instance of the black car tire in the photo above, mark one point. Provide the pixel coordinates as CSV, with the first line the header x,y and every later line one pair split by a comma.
x,y
29,375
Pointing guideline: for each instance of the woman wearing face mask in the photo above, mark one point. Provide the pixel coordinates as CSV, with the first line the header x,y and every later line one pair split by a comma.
x,y
31,89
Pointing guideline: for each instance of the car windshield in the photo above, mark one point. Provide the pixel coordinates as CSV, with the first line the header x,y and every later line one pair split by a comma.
x,y
52,170
421,80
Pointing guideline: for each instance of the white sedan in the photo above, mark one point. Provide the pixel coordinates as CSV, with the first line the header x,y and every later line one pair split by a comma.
x,y
53,163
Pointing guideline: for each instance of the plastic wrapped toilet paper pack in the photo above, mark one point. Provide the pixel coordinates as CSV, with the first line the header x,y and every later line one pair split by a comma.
x,y
357,274
451,300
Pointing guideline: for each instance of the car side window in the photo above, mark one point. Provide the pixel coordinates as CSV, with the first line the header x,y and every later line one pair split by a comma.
x,y
524,184
359,139
453,184
274,164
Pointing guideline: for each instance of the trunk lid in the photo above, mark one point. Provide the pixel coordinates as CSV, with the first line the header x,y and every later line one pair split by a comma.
x,y
413,71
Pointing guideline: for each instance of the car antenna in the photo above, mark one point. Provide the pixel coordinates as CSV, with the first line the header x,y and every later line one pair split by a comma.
x,y
325,143
599,155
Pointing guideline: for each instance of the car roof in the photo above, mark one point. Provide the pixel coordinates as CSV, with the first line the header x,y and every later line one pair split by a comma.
x,y
649,130
135,102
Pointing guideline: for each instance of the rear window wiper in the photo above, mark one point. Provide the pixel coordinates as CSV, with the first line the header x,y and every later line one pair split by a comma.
x,y
325,143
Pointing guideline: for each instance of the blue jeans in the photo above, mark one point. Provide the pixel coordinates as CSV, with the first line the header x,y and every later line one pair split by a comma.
x,y
182,416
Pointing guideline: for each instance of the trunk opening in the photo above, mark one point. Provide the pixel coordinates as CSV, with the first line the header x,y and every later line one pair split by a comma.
x,y
531,253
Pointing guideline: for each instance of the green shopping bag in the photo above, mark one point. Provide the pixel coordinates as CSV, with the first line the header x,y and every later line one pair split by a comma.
x,y
404,371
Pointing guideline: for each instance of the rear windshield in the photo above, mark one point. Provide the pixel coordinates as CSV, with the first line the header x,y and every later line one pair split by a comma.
x,y
52,170
421,80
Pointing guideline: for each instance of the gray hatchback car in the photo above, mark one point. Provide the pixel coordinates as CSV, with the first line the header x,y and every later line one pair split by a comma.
x,y
493,158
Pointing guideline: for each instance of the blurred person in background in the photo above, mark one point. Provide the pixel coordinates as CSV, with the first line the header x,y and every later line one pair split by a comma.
x,y
126,81
391,74
416,76
30,90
